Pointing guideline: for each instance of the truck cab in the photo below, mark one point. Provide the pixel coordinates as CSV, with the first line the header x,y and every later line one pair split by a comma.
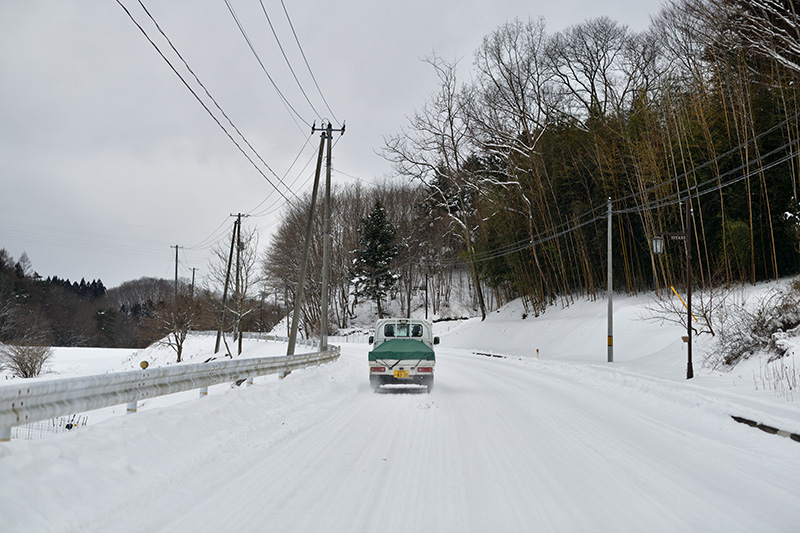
x,y
402,353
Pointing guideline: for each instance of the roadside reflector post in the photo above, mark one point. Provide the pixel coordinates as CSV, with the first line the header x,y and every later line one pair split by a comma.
x,y
131,407
249,381
5,434
203,392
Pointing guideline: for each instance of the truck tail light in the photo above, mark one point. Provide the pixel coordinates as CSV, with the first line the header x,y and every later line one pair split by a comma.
x,y
424,369
377,369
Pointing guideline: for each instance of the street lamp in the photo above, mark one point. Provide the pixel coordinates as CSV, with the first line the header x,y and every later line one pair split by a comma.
x,y
658,249
658,245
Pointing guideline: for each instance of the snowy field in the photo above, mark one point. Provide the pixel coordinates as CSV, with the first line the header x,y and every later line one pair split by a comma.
x,y
562,441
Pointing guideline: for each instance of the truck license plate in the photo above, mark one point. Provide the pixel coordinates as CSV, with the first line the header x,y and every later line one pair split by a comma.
x,y
401,373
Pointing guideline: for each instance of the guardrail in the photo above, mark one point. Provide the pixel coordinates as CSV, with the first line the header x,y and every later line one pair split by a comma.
x,y
264,337
360,338
23,403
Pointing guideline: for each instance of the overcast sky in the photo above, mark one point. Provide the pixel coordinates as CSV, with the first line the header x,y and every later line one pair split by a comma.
x,y
107,160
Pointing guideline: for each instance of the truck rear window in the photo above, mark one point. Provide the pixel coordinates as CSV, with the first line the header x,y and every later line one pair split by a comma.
x,y
402,330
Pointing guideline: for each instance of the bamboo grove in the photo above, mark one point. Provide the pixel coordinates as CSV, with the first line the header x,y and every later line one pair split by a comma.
x,y
524,157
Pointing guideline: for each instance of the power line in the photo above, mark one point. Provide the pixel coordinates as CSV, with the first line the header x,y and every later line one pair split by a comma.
x,y
204,243
291,69
680,196
307,65
216,104
285,174
261,63
197,97
732,151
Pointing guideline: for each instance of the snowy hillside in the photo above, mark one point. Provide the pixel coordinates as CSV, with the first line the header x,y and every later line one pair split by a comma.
x,y
560,442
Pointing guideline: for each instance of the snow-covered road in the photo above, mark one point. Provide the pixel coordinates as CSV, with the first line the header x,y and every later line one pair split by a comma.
x,y
499,445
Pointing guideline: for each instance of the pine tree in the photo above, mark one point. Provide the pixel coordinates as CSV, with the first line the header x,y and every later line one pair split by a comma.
x,y
371,273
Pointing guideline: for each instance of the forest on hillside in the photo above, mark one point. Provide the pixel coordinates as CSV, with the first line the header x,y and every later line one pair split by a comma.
x,y
511,162
37,311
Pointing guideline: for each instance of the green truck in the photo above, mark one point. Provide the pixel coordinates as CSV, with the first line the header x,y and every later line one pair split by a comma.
x,y
402,353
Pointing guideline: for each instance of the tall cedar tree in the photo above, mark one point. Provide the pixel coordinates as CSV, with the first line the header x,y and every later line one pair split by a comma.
x,y
372,277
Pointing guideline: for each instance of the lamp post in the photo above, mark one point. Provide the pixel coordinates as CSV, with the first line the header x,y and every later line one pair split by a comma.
x,y
658,249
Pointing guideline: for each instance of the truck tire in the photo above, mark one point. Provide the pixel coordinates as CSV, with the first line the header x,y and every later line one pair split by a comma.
x,y
429,384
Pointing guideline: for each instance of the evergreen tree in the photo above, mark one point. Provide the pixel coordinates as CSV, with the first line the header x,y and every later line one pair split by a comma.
x,y
372,277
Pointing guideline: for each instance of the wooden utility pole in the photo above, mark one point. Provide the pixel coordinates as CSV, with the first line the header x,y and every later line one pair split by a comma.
x,y
225,287
689,365
298,293
176,269
327,134
239,296
326,244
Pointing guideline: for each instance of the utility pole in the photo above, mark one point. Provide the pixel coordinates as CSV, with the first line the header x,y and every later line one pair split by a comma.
x,y
239,280
286,308
327,135
326,243
176,270
689,367
194,269
298,293
225,287
610,291
410,287
426,294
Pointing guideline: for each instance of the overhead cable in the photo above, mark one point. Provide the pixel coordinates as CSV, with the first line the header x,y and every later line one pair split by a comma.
x,y
286,59
261,63
297,40
202,103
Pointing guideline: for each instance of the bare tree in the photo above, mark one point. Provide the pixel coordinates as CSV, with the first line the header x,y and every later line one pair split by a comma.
x,y
26,356
770,28
24,360
514,89
172,320
593,62
435,150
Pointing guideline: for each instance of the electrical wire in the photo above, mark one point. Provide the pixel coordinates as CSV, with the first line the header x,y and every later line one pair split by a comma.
x,y
251,212
285,58
680,196
297,40
261,63
216,104
202,103
213,237
345,174
718,158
